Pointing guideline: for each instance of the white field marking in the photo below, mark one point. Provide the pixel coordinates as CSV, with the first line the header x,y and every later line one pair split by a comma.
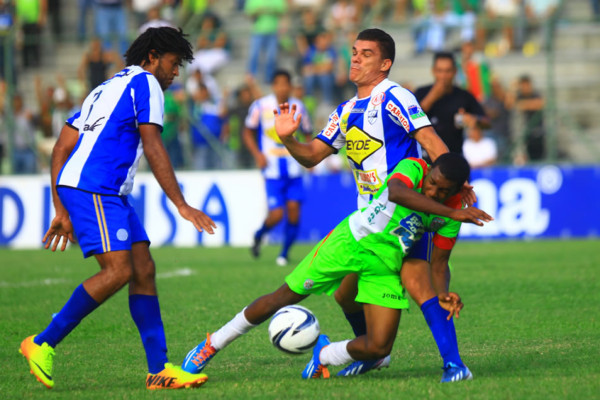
x,y
58,281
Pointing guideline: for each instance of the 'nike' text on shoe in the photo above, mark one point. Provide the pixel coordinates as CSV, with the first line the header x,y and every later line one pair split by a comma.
x,y
173,377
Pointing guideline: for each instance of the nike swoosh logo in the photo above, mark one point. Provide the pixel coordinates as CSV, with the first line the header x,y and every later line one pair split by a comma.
x,y
43,372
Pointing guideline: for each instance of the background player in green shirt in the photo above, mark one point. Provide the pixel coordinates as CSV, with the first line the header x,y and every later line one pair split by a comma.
x,y
371,243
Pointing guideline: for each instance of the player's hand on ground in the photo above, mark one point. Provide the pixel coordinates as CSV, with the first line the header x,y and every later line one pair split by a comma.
x,y
471,214
452,303
60,228
286,120
201,221
468,194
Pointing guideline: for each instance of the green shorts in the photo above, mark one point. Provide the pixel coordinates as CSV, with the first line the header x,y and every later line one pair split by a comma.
x,y
338,255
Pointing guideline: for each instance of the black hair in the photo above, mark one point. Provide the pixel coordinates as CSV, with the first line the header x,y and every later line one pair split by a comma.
x,y
386,43
440,55
160,40
525,78
454,167
282,72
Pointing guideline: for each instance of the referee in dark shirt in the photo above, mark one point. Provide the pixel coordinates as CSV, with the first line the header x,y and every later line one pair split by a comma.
x,y
450,108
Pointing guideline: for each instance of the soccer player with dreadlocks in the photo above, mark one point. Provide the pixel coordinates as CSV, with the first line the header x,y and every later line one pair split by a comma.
x,y
93,165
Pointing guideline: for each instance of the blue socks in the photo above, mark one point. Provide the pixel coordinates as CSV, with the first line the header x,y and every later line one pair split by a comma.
x,y
77,308
290,235
145,312
261,232
443,331
357,322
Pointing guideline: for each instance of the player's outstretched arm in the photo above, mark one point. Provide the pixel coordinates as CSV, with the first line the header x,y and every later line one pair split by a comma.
x,y
60,227
401,194
440,278
287,121
163,171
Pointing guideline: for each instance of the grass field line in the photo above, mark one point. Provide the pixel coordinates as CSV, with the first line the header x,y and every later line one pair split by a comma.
x,y
181,272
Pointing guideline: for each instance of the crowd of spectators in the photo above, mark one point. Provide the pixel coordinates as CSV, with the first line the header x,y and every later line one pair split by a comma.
x,y
204,121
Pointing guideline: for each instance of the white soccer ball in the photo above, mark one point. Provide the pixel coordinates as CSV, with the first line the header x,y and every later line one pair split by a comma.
x,y
294,329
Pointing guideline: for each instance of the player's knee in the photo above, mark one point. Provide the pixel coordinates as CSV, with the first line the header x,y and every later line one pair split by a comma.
x,y
377,351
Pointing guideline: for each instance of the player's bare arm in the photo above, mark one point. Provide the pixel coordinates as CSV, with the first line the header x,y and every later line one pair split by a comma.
x,y
287,121
440,278
431,142
249,138
403,195
60,227
162,169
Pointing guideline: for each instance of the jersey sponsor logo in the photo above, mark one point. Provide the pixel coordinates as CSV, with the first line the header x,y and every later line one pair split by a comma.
x,y
372,116
436,223
378,208
331,127
367,182
357,111
415,112
378,99
359,145
90,128
344,122
396,112
409,231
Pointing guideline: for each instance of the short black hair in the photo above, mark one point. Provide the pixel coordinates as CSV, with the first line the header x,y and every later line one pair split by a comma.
x,y
440,55
454,167
161,40
281,72
386,43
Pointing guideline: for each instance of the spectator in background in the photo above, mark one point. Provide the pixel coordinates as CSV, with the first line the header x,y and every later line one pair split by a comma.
x,y
7,47
140,9
595,4
213,47
236,114
309,28
464,15
344,16
266,16
31,16
502,15
3,122
500,120
111,23
530,104
172,123
207,122
319,67
540,14
95,64
152,19
82,21
473,72
55,13
196,77
24,158
478,150
450,108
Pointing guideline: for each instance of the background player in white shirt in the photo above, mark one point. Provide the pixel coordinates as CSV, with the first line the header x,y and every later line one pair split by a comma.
x,y
282,173
93,165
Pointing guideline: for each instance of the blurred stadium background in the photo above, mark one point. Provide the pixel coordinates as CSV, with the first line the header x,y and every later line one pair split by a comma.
x,y
554,43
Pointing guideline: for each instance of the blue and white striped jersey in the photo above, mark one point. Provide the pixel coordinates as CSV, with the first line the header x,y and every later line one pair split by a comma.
x,y
109,148
378,133
280,164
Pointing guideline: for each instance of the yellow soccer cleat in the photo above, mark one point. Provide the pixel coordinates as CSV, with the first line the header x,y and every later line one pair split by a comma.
x,y
40,360
173,377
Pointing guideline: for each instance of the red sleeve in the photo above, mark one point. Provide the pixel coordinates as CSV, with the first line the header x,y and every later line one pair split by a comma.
x,y
404,179
454,202
443,242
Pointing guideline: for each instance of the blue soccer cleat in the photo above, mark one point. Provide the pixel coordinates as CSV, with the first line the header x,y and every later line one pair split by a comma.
x,y
454,373
362,367
198,357
314,369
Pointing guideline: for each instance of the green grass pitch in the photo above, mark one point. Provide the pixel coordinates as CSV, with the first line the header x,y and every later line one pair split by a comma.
x,y
530,328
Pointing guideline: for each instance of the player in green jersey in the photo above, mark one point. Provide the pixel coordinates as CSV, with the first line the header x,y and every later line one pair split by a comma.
x,y
371,242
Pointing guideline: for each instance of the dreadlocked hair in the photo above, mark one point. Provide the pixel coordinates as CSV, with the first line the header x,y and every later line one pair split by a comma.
x,y
159,40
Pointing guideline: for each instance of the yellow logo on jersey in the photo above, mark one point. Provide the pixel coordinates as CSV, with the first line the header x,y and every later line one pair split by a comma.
x,y
367,182
344,122
359,145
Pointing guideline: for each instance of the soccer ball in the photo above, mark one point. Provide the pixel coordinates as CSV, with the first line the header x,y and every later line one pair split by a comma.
x,y
294,329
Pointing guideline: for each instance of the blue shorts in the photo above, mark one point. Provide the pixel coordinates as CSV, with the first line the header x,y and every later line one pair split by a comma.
x,y
422,249
102,223
280,191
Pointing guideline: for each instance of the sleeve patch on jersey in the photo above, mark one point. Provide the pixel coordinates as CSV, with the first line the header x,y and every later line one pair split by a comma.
x,y
405,179
331,128
397,116
443,242
415,112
